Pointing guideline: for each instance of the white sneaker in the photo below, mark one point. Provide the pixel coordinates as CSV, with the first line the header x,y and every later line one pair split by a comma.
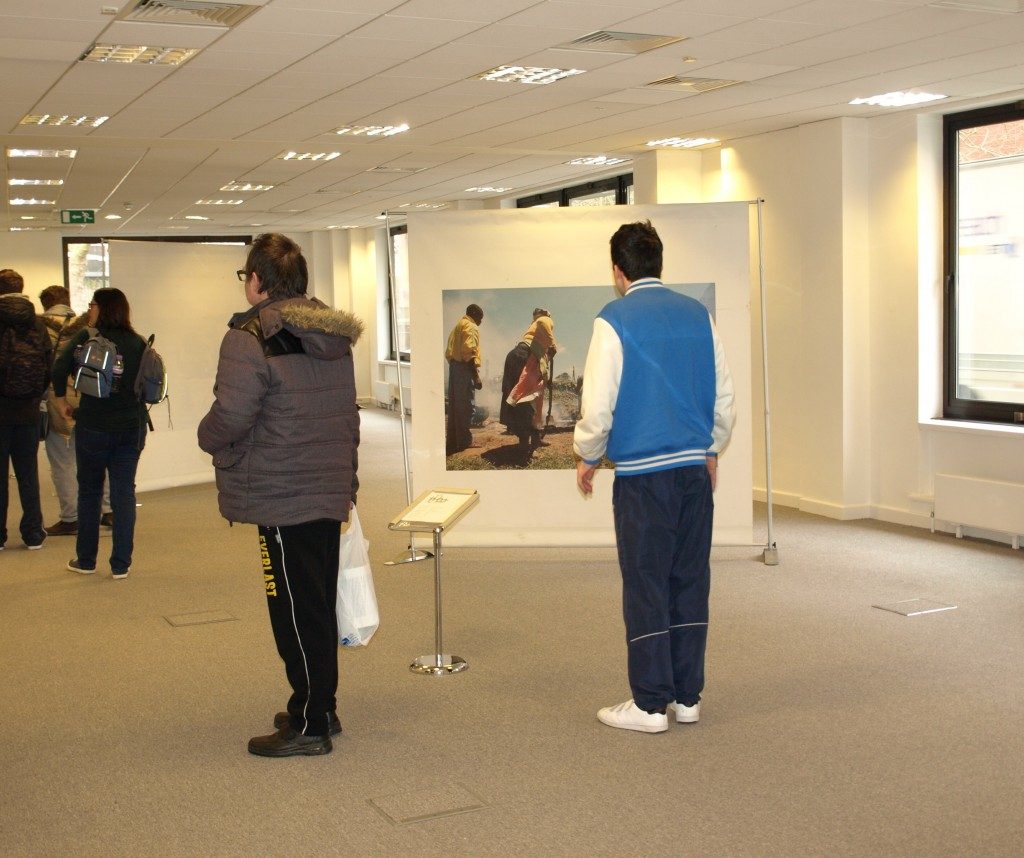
x,y
687,714
629,717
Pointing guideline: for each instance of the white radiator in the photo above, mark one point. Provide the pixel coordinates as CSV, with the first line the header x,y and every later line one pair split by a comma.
x,y
987,504
384,393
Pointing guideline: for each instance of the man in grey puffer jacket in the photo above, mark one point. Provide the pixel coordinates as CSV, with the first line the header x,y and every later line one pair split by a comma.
x,y
284,432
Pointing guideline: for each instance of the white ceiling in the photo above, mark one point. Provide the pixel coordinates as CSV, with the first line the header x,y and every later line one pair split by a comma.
x,y
296,70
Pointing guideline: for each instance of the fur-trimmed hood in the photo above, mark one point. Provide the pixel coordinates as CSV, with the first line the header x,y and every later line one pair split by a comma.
x,y
54,322
326,333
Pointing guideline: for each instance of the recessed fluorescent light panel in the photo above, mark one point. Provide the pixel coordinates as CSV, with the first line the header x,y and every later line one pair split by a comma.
x,y
596,161
373,130
63,120
112,217
195,217
898,99
140,54
41,153
219,202
308,156
487,190
526,74
27,228
35,182
683,142
235,187
32,202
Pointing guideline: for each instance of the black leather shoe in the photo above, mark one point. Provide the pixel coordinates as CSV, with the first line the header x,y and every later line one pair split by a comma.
x,y
287,742
281,720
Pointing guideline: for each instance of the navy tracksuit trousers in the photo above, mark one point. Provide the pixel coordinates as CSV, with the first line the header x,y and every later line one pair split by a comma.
x,y
300,573
663,533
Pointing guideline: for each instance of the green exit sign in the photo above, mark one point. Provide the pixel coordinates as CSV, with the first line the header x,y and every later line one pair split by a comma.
x,y
78,216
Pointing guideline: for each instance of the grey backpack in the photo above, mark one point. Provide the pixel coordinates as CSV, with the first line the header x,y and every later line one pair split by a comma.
x,y
151,382
96,362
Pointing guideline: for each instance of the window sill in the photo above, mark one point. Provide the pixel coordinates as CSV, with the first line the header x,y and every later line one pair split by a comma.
x,y
971,427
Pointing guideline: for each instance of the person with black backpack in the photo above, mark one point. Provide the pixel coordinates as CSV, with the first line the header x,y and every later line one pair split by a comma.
x,y
110,428
25,355
59,437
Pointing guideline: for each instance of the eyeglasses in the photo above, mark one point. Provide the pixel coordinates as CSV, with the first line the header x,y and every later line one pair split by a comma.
x,y
92,304
242,274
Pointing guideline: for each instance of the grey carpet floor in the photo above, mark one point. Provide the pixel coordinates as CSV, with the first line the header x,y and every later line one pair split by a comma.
x,y
828,726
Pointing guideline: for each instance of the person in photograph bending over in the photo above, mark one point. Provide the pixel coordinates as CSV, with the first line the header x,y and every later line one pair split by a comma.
x,y
25,358
658,399
110,434
464,359
62,324
535,375
283,431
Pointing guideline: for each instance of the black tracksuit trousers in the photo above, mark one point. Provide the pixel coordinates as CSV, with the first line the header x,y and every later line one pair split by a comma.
x,y
300,572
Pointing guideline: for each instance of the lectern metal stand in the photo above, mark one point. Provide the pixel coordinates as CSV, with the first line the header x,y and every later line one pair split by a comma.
x,y
434,512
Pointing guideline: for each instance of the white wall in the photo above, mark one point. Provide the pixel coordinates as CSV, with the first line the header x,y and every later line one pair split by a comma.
x,y
36,256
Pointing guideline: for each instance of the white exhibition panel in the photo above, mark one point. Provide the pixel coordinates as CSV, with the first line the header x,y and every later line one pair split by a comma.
x,y
510,249
184,293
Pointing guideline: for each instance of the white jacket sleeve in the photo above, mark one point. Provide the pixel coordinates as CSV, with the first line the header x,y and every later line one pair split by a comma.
x,y
725,409
601,378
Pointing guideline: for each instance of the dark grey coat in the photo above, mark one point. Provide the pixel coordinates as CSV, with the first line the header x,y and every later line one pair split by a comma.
x,y
284,430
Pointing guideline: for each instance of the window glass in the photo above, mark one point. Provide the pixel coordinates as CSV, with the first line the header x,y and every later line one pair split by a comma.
x,y
598,198
400,250
985,311
88,270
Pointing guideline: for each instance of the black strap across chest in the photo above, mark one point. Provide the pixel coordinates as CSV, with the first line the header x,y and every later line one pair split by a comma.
x,y
282,343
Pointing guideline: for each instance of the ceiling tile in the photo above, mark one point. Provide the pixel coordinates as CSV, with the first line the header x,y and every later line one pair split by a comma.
x,y
462,10
318,22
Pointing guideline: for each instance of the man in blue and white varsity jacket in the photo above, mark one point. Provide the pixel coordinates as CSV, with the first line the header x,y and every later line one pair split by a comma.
x,y
658,400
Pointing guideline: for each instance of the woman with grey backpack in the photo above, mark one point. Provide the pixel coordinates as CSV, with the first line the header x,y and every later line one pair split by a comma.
x,y
110,431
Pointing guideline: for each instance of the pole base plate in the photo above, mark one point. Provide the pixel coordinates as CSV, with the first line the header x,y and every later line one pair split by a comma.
x,y
438,665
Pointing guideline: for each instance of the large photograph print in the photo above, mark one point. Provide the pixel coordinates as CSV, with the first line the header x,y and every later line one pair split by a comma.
x,y
533,345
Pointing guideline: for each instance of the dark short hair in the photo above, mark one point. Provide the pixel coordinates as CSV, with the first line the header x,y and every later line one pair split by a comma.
x,y
637,250
474,311
280,265
114,312
11,282
53,295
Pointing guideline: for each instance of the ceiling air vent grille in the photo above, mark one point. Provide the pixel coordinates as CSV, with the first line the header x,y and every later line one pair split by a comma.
x,y
387,168
692,84
1003,7
203,13
613,42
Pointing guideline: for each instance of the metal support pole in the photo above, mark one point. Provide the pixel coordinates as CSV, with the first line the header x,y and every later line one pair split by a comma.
x,y
771,551
412,554
438,664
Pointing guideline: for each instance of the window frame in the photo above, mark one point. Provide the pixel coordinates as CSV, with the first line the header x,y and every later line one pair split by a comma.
x,y
954,407
562,196
180,239
402,356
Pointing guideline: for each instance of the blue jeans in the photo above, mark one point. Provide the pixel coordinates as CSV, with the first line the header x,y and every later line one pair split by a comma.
x,y
115,454
19,445
663,532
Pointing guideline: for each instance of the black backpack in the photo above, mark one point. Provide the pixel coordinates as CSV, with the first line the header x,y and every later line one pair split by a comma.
x,y
24,365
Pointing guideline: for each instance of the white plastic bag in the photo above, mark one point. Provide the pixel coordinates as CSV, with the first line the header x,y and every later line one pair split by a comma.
x,y
357,602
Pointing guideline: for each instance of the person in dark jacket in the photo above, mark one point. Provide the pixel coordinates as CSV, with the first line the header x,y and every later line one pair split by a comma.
x,y
284,434
110,434
21,333
62,324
